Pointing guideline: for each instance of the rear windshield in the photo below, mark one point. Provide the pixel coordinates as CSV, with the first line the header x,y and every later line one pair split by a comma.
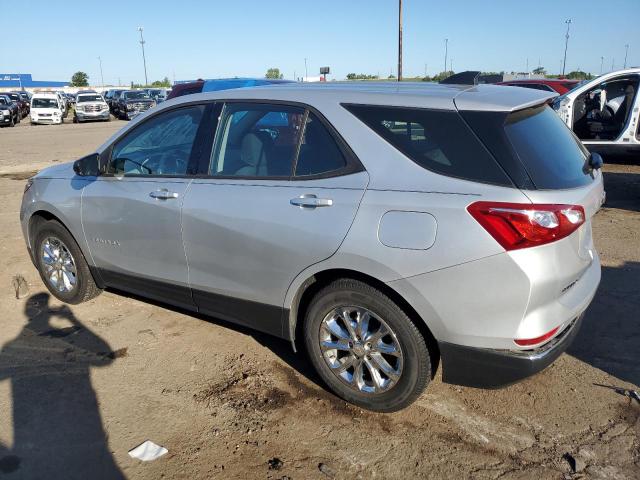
x,y
548,150
437,140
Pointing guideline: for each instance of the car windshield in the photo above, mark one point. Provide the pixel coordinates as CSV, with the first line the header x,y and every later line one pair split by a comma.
x,y
89,98
3,101
44,103
135,95
13,96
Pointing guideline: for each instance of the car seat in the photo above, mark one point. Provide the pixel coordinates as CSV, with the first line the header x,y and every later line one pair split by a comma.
x,y
253,154
611,127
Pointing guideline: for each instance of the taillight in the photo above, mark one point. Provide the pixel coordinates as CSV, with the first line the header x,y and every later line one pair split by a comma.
x,y
522,225
527,342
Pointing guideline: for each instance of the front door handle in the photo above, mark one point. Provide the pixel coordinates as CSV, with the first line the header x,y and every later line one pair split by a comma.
x,y
310,201
163,194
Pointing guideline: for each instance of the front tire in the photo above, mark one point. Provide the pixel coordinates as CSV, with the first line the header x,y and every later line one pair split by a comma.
x,y
365,347
62,265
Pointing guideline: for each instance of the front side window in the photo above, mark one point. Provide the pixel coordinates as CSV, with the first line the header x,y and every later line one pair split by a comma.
x,y
159,146
257,140
437,140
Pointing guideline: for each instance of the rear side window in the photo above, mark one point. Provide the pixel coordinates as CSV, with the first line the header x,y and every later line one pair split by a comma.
x,y
437,140
319,152
548,150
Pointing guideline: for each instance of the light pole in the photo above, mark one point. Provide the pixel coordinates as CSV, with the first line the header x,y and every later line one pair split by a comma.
x,y
144,60
306,72
446,51
626,51
566,44
101,76
399,40
613,60
601,62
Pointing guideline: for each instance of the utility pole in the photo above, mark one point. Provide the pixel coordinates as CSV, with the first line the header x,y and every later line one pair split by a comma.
x,y
566,44
144,60
425,69
451,65
527,66
601,63
626,51
399,40
612,63
101,76
306,72
446,51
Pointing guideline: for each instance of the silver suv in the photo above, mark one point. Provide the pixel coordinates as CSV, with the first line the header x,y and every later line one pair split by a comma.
x,y
384,229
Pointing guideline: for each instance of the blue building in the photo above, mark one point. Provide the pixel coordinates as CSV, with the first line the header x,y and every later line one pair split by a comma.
x,y
24,80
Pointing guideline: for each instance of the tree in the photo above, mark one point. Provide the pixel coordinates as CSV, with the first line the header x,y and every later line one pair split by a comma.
x,y
165,82
539,71
361,76
442,75
80,79
579,75
274,73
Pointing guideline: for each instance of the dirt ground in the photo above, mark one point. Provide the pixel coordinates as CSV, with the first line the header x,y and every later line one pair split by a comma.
x,y
82,385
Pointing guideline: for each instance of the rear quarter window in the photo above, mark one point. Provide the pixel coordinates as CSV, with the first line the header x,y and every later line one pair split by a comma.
x,y
437,140
549,151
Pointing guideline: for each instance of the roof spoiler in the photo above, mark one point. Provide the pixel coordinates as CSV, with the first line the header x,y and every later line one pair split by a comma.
x,y
470,77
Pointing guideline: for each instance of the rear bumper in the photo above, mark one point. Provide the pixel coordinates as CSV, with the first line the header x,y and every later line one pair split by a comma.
x,y
490,368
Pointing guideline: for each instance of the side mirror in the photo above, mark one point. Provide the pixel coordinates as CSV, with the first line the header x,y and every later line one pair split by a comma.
x,y
595,161
87,166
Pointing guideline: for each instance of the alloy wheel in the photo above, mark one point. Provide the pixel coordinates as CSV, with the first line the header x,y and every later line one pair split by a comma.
x,y
361,349
58,265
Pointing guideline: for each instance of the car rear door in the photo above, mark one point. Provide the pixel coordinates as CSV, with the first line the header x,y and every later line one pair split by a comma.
x,y
131,216
281,193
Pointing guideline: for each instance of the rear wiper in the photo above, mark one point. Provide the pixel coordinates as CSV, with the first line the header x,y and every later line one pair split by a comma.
x,y
594,162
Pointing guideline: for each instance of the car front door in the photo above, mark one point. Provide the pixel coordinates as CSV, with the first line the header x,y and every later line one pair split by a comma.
x,y
131,216
281,193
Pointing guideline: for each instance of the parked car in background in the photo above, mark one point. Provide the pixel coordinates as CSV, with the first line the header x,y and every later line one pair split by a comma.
x,y
113,101
366,223
91,106
199,86
157,94
63,102
70,99
47,108
9,111
605,112
24,96
19,100
133,102
546,84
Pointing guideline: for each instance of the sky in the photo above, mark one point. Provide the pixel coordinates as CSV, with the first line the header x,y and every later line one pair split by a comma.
x,y
215,39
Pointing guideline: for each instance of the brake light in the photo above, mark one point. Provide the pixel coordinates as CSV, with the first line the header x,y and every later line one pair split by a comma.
x,y
527,342
522,225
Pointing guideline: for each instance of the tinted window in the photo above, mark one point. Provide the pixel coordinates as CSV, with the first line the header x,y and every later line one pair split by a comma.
x,y
549,151
436,140
256,140
159,146
319,152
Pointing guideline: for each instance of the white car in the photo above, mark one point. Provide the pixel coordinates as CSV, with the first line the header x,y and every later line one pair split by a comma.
x,y
604,112
90,106
46,108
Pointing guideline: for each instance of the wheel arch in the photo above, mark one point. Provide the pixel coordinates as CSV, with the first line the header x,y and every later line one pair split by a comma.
x,y
320,279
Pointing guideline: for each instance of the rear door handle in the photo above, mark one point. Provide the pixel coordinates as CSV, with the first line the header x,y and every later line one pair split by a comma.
x,y
310,201
163,194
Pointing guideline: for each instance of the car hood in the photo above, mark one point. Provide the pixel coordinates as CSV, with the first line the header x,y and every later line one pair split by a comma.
x,y
64,170
139,100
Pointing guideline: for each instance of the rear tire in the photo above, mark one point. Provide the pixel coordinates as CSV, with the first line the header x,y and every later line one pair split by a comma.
x,y
381,363
62,265
12,123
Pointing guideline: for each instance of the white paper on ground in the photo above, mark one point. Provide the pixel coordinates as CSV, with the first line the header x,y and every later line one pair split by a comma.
x,y
147,451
